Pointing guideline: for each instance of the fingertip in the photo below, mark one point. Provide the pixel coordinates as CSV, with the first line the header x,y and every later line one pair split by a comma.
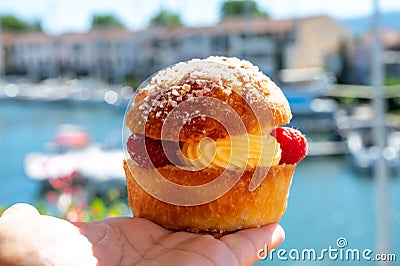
x,y
20,209
278,235
273,234
246,243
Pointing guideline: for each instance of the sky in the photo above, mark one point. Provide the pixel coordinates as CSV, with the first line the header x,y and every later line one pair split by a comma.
x,y
60,16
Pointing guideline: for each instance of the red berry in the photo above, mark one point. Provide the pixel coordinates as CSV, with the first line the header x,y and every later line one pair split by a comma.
x,y
147,152
293,144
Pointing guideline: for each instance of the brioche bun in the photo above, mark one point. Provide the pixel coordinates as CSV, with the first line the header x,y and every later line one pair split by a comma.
x,y
235,82
257,104
237,209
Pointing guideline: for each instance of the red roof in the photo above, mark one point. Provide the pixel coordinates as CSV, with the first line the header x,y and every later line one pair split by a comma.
x,y
73,139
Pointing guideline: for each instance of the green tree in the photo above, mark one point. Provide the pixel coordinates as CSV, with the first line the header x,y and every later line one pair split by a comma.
x,y
166,19
247,8
36,25
13,23
106,21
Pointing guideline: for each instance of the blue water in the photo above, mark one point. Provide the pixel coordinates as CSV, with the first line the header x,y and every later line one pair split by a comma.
x,y
327,201
27,127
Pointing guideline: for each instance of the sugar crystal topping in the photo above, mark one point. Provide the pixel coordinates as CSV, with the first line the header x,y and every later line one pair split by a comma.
x,y
172,85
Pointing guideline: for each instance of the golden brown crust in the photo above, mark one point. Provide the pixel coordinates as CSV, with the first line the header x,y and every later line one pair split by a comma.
x,y
216,97
237,209
254,98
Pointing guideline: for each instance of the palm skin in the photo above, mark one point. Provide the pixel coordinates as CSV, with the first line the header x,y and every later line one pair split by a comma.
x,y
28,238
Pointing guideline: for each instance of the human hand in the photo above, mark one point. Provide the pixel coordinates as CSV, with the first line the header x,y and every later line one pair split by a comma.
x,y
28,238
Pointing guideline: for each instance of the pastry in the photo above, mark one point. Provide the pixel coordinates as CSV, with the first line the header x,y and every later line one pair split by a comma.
x,y
206,147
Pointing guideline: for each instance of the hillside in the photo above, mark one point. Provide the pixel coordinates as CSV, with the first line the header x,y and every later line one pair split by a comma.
x,y
389,20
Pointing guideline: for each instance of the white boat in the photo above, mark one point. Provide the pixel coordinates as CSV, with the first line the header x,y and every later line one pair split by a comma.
x,y
305,90
313,113
71,152
363,154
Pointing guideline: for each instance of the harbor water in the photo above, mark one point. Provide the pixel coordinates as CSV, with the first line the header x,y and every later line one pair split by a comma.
x,y
328,200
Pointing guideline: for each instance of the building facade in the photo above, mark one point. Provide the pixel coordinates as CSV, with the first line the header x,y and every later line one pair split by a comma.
x,y
113,54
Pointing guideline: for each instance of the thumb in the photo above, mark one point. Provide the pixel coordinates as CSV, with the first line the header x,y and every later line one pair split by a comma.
x,y
247,243
20,209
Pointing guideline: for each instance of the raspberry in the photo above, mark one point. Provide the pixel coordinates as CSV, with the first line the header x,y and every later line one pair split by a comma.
x,y
153,148
293,144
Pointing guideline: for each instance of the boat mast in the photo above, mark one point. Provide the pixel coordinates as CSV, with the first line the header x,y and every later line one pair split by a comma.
x,y
380,169
2,61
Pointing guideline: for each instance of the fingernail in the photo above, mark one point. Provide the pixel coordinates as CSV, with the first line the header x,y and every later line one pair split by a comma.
x,y
278,235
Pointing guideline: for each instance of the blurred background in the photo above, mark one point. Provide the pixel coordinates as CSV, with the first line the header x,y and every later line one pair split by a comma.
x,y
69,68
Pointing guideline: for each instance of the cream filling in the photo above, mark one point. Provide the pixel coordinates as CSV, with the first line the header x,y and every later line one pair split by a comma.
x,y
244,151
